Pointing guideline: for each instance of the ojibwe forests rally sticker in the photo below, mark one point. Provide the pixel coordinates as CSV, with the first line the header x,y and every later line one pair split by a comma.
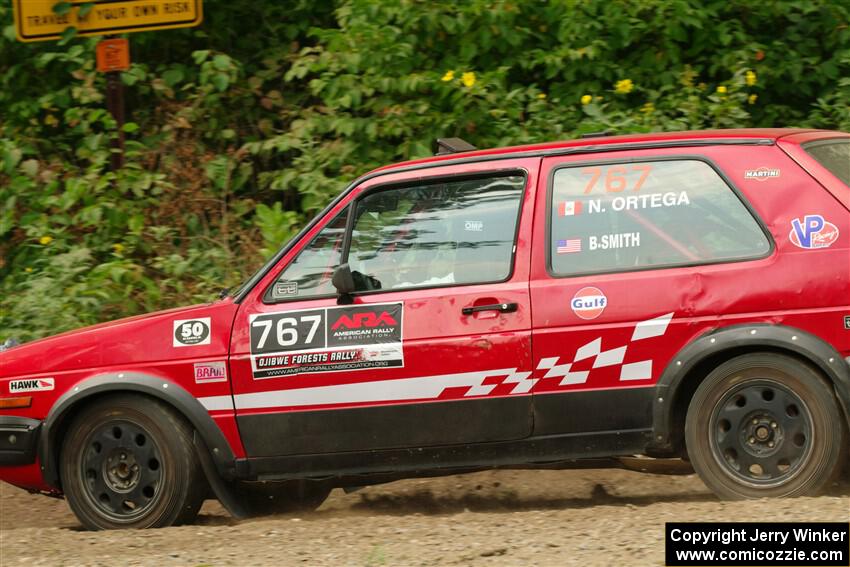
x,y
332,339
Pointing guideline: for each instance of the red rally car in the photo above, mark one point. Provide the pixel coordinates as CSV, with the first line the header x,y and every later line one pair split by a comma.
x,y
668,296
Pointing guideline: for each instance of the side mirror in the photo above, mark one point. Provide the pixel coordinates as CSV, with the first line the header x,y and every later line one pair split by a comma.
x,y
343,280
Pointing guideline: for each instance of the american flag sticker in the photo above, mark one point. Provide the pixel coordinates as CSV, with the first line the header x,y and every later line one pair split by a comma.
x,y
569,246
569,208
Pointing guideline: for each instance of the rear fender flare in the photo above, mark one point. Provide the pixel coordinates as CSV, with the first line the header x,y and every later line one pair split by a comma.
x,y
739,339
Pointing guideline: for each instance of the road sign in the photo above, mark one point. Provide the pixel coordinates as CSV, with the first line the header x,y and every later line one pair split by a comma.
x,y
35,20
113,55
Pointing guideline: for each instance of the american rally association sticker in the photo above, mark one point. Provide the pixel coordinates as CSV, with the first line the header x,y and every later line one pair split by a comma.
x,y
32,385
191,332
589,303
762,173
332,339
210,372
812,232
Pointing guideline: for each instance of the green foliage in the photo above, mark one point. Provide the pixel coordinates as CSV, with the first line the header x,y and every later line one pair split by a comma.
x,y
242,129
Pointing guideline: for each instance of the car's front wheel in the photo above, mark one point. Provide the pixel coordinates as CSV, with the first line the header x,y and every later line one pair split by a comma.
x,y
128,462
765,425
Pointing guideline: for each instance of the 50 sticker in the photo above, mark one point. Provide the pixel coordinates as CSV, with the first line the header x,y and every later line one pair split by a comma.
x,y
191,332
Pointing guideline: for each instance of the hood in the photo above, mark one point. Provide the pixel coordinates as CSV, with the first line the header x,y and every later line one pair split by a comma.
x,y
148,338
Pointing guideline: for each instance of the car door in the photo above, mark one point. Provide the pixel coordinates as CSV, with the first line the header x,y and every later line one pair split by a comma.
x,y
641,251
434,346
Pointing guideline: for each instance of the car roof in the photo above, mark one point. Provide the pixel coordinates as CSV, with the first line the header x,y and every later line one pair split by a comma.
x,y
599,142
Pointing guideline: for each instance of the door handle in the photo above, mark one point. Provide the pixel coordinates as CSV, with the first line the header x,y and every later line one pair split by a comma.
x,y
500,307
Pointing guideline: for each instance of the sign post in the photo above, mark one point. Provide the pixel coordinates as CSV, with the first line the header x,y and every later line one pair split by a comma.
x,y
113,56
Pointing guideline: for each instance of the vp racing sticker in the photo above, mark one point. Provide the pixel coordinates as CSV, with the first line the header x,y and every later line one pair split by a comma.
x,y
32,385
812,232
333,339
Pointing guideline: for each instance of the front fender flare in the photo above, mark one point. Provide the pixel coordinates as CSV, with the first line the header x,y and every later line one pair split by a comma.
x,y
743,338
168,392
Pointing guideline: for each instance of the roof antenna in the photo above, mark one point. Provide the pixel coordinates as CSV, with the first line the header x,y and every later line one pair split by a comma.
x,y
446,146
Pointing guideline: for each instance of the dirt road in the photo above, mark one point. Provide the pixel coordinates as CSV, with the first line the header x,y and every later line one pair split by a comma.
x,y
584,517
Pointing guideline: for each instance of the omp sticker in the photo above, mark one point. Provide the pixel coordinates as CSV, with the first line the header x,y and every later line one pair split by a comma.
x,y
812,232
473,226
191,332
589,303
762,173
32,385
476,383
333,339
210,372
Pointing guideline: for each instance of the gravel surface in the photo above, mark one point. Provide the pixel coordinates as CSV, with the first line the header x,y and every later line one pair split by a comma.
x,y
587,517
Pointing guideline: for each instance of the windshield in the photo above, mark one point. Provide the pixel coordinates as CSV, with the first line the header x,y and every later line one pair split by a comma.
x,y
833,155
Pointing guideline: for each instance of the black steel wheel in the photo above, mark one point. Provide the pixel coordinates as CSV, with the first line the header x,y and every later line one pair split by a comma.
x,y
129,462
765,425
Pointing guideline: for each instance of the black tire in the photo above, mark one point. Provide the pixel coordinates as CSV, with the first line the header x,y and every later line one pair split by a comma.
x,y
285,497
129,462
765,425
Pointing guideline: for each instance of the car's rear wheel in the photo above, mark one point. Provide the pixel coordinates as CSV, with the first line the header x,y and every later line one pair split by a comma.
x,y
268,498
128,462
765,425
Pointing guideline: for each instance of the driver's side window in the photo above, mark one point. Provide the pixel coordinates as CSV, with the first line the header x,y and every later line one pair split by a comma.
x,y
444,233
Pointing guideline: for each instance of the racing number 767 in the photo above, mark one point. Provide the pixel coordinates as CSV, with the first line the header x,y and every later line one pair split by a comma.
x,y
287,329
615,177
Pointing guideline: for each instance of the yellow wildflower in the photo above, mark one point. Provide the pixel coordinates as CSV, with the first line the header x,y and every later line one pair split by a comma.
x,y
448,76
750,78
752,98
45,240
118,248
468,79
624,87
721,90
28,270
542,96
648,108
586,99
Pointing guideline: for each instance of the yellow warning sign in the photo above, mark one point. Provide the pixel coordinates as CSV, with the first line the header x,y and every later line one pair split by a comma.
x,y
36,20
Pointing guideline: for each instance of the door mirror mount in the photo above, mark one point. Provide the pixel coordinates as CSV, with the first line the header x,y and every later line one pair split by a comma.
x,y
343,281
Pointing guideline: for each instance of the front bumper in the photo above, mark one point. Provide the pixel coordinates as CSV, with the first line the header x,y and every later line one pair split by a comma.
x,y
18,440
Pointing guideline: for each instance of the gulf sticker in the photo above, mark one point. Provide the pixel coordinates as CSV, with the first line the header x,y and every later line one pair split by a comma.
x,y
812,232
589,303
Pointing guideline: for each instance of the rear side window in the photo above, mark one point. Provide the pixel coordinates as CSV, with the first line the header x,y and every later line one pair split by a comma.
x,y
447,233
833,155
640,215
